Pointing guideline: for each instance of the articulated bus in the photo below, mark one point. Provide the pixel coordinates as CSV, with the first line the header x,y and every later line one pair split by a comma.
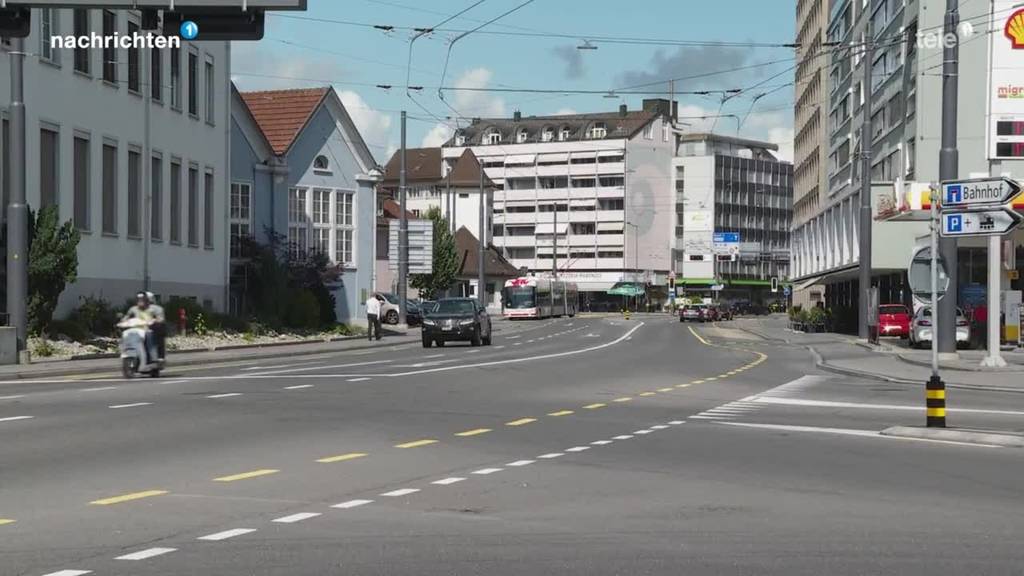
x,y
529,297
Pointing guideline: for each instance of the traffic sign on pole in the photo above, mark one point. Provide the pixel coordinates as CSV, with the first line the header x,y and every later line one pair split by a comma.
x,y
994,222
979,192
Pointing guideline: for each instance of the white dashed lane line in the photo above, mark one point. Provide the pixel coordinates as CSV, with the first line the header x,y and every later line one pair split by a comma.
x,y
16,418
100,389
601,442
352,504
518,463
227,395
217,537
357,379
551,455
69,573
577,449
447,481
135,405
146,554
297,517
622,437
401,492
298,387
487,471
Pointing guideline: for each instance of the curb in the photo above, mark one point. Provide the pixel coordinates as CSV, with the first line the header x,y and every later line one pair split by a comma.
x,y
982,438
1011,369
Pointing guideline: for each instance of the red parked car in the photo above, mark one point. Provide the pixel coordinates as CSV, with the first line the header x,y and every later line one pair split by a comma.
x,y
894,320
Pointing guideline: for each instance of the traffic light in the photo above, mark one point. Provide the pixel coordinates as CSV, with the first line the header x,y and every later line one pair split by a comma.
x,y
15,22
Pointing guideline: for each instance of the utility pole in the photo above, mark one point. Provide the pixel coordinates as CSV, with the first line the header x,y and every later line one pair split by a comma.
x,y
403,234
866,136
554,254
481,278
935,388
949,160
147,162
17,208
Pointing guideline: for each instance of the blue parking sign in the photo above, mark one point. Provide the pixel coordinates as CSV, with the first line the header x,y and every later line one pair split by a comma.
x,y
954,223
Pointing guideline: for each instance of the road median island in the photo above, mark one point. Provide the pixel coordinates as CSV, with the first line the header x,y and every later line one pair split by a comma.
x,y
966,436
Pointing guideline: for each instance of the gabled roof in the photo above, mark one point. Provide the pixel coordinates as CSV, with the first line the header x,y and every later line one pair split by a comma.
x,y
467,249
467,170
426,166
393,210
282,114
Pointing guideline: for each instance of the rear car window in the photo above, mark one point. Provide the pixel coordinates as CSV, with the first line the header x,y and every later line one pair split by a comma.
x,y
892,310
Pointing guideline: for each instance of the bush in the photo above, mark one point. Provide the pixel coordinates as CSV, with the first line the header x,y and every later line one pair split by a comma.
x,y
304,311
42,348
96,316
67,328
52,264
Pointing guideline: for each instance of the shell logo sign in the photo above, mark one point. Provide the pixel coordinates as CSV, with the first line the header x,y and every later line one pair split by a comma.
x,y
1015,30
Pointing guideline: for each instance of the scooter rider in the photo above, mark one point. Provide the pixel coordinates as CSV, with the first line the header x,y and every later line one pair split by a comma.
x,y
153,314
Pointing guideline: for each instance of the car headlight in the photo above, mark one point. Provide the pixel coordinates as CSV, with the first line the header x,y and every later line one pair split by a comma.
x,y
429,322
465,322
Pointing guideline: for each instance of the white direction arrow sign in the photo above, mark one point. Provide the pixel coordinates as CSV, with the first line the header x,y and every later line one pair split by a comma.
x,y
995,222
980,192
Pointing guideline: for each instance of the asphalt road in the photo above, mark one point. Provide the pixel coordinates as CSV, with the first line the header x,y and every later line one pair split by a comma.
x,y
570,446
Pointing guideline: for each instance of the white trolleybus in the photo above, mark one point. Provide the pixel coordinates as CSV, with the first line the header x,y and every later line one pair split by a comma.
x,y
529,297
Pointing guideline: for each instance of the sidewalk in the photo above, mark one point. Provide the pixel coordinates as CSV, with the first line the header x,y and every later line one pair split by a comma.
x,y
846,355
223,355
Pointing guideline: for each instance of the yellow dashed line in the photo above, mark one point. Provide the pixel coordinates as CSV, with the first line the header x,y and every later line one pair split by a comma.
x,y
648,393
5,521
726,375
128,497
520,422
669,389
475,432
711,379
623,399
246,475
594,406
697,382
341,458
682,385
416,443
561,413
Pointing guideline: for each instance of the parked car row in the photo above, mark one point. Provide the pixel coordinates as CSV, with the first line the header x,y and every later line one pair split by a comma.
x,y
706,313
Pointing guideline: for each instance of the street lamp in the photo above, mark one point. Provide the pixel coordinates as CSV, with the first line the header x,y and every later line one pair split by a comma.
x,y
636,257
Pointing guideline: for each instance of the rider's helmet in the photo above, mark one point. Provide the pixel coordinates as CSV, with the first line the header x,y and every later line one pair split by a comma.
x,y
143,298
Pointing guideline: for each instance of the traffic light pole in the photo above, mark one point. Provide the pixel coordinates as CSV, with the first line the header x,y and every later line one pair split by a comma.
x,y
17,208
935,388
949,159
403,234
866,136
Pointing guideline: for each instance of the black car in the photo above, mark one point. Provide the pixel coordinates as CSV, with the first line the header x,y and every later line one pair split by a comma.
x,y
413,313
456,319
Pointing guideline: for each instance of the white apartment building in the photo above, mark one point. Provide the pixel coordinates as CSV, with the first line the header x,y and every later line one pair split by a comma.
x,y
596,185
87,153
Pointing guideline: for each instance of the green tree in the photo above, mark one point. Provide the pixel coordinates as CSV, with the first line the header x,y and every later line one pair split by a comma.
x,y
446,260
52,264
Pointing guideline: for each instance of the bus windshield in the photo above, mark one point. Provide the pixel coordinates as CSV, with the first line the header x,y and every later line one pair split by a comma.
x,y
521,297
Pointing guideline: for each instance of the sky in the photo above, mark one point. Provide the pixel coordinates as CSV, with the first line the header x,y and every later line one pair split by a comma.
x,y
534,47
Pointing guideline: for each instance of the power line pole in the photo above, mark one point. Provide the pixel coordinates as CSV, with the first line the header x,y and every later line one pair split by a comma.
x,y
481,279
403,234
866,136
17,208
949,160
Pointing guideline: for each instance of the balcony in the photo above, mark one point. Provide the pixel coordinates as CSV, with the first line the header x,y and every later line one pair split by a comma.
x,y
520,218
515,241
617,240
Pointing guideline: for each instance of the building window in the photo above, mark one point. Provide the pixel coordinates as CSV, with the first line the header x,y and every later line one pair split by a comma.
x,y
208,191
321,206
321,164
298,222
156,74
597,130
49,164
211,93
5,160
460,139
521,136
649,131
134,194
81,28
911,156
109,52
563,134
193,84
156,208
664,131
175,202
134,64
240,216
343,228
109,188
82,161
193,206
492,136
547,135
48,18
176,79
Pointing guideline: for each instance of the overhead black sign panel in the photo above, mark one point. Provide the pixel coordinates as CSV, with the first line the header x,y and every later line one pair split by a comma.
x,y
199,25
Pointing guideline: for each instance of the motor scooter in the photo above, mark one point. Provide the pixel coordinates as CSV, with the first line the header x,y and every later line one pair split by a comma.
x,y
135,357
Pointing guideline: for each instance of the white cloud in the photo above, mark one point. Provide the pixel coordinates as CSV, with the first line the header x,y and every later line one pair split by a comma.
x,y
437,135
374,125
565,112
478,104
784,138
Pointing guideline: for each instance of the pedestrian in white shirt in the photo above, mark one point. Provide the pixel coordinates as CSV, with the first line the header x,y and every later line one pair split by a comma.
x,y
373,316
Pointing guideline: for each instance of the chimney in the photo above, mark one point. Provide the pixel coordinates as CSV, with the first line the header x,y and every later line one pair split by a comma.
x,y
517,116
622,110
476,121
658,105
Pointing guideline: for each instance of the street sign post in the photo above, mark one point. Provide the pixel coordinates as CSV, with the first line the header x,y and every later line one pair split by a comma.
x,y
978,222
979,192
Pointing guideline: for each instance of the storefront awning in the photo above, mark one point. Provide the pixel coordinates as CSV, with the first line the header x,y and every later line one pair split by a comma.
x,y
553,158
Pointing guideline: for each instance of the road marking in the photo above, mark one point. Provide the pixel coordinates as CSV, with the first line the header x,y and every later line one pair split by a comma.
x,y
642,431
128,497
601,442
401,492
173,382
416,443
682,385
703,417
6,521
698,337
518,463
16,418
560,413
246,475
677,422
226,534
475,432
622,437
16,396
448,481
830,404
282,366
227,395
341,457
726,410
363,379
648,393
498,347
432,356
144,554
135,405
594,406
696,382
551,455
577,449
518,344
296,517
711,379
69,573
512,337
473,352
851,432
658,427
520,422
298,387
352,504
669,389
308,368
100,389
486,471
623,399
